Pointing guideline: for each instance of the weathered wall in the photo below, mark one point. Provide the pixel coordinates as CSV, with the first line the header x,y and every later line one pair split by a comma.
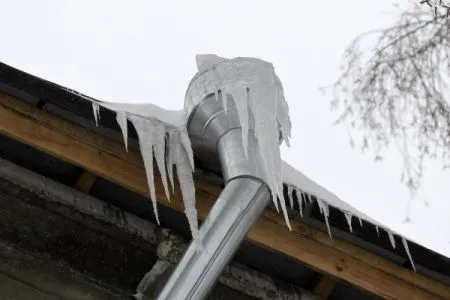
x,y
24,276
58,243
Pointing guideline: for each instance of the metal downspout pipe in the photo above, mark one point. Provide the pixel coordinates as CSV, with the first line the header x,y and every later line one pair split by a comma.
x,y
217,141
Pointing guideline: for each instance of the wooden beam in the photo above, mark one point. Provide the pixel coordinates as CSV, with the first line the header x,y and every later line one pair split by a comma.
x,y
85,182
107,158
324,286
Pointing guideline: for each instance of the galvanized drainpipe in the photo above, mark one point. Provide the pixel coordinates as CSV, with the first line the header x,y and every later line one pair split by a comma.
x,y
217,141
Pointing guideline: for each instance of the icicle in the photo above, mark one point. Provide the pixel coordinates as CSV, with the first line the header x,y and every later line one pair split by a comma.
x,y
152,134
405,245
170,160
348,217
378,230
216,90
290,196
300,200
391,238
159,148
263,109
283,113
252,84
205,88
96,111
275,203
224,99
324,210
309,198
360,222
285,213
242,96
180,158
121,118
151,138
186,142
143,130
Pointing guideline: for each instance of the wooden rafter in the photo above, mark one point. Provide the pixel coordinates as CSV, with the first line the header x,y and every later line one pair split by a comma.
x,y
107,158
85,182
324,286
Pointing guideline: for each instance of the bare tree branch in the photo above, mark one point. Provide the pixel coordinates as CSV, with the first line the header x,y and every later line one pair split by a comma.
x,y
440,7
396,93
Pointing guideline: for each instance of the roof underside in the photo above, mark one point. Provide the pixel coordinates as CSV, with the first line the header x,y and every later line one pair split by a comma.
x,y
51,98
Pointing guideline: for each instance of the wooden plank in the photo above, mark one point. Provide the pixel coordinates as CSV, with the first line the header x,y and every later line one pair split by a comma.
x,y
341,262
85,182
303,243
107,158
325,286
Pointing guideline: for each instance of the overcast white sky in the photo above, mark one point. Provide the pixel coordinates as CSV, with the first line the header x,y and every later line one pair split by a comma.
x,y
144,51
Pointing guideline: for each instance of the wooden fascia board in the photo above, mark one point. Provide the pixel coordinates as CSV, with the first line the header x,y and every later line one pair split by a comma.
x,y
108,159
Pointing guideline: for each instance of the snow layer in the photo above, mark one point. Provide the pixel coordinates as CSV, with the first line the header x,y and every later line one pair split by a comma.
x,y
171,118
205,61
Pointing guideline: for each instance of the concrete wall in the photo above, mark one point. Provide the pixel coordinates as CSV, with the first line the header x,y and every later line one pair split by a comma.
x,y
58,243
27,277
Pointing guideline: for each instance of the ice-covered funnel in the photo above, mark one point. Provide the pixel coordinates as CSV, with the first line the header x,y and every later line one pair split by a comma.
x,y
236,112
251,88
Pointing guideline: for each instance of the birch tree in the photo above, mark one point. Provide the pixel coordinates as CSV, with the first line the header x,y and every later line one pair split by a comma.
x,y
393,88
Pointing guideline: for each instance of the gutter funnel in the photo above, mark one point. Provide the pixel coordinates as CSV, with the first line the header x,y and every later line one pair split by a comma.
x,y
217,140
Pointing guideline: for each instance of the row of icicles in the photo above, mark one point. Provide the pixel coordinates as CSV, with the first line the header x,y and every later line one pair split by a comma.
x,y
324,210
154,135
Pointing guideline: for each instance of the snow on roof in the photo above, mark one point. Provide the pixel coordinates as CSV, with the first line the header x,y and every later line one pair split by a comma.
x,y
172,118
